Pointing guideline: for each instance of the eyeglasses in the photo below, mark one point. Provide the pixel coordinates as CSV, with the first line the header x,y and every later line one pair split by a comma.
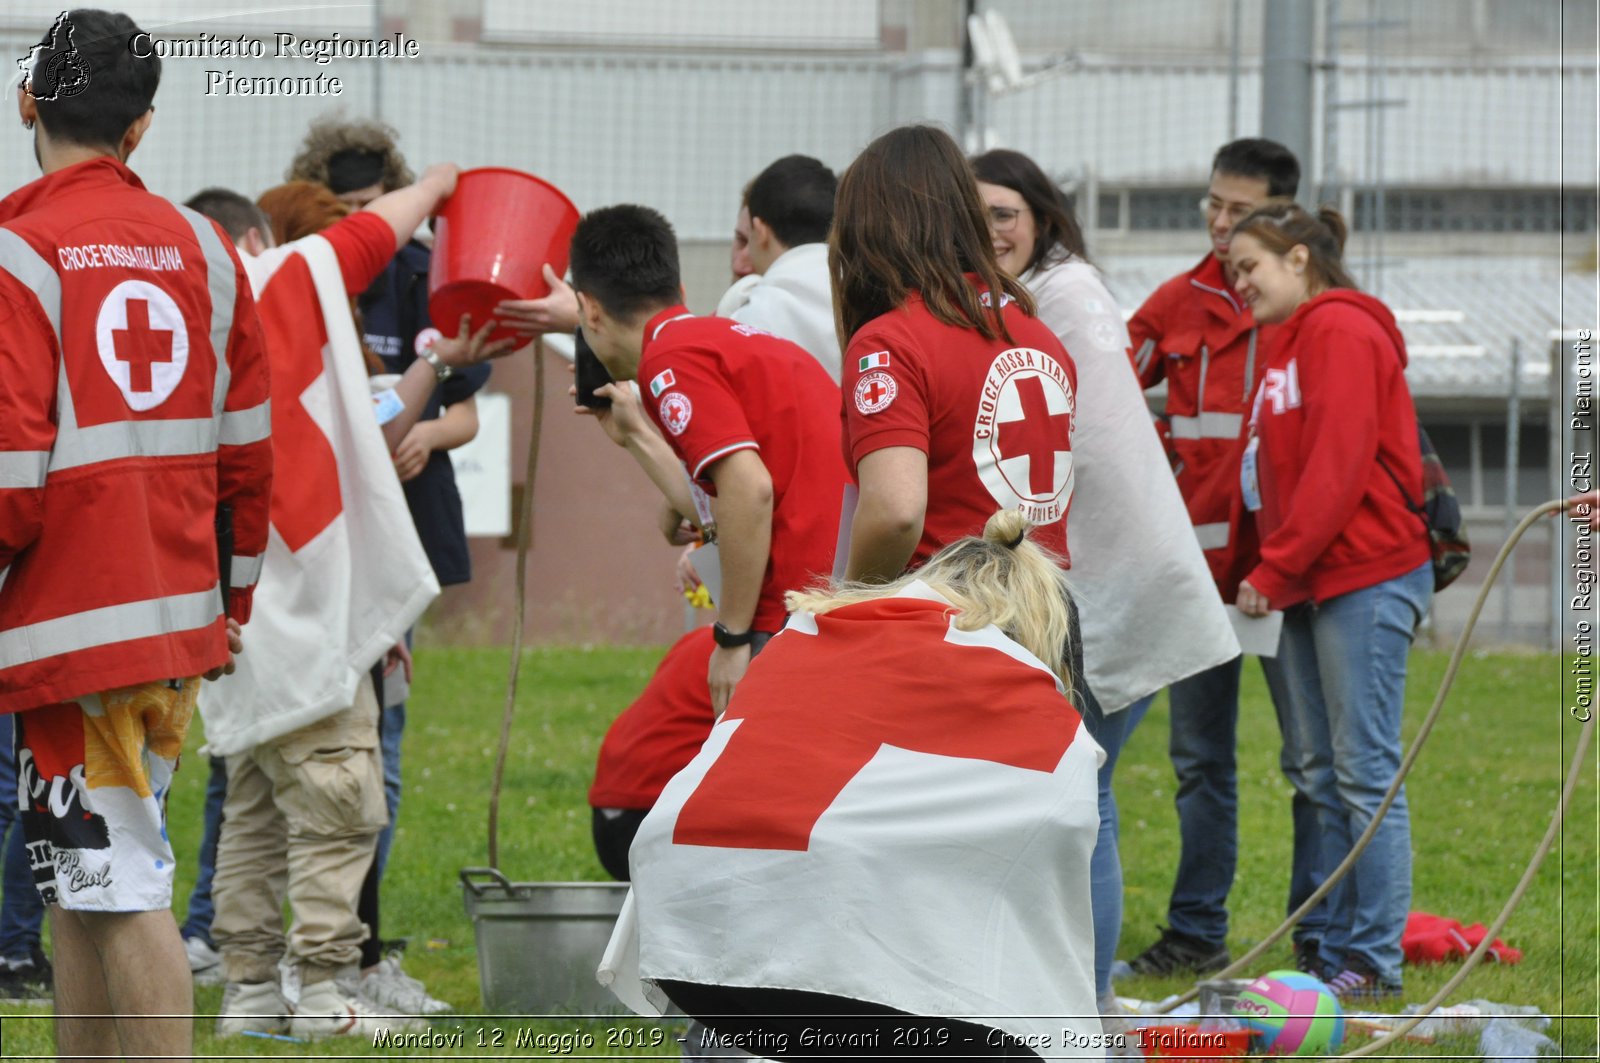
x,y
1234,211
1003,219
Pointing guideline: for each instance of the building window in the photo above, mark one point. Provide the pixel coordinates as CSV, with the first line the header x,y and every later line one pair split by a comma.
x,y
1461,210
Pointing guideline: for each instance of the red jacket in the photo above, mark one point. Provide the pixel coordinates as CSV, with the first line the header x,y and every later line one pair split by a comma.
x,y
133,402
1333,405
1195,333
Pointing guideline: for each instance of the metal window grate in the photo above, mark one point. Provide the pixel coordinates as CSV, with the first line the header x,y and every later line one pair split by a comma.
x,y
1461,210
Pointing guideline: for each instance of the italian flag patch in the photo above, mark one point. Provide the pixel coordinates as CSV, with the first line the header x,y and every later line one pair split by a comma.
x,y
875,360
661,382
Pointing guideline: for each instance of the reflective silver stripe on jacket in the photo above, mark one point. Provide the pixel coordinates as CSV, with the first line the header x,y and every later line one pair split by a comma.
x,y
108,625
220,279
1147,350
23,468
76,447
240,427
244,571
1207,426
1212,536
18,258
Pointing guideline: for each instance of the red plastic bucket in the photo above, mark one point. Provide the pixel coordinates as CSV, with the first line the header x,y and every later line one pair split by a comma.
x,y
491,241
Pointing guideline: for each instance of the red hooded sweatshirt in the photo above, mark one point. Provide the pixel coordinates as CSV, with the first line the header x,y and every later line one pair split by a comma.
x,y
1332,404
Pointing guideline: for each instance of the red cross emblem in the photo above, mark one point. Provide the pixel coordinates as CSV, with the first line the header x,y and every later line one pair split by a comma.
x,y
875,391
783,768
141,346
143,343
1038,435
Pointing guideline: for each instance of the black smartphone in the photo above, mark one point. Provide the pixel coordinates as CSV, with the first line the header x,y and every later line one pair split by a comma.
x,y
591,374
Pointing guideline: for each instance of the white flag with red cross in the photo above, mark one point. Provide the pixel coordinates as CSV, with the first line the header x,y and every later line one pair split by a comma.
x,y
891,810
344,575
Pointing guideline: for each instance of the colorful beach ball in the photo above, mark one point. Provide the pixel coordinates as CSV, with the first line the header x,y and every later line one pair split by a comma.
x,y
1291,1014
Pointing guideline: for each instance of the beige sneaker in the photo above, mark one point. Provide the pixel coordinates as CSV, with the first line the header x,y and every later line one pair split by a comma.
x,y
327,1009
255,1006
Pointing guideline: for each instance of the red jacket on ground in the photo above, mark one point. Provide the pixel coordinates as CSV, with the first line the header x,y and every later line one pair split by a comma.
x,y
133,402
1333,405
1195,333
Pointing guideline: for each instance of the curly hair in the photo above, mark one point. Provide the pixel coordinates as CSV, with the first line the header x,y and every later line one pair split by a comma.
x,y
331,135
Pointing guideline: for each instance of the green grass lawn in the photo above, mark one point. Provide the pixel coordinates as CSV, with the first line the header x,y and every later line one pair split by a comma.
x,y
1481,798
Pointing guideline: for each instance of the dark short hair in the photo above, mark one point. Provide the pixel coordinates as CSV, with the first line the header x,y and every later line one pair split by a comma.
x,y
1057,225
626,258
794,197
236,214
1259,157
114,87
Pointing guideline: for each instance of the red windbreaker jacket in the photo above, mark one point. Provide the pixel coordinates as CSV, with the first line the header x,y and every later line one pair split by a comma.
x,y
133,402
1334,404
1195,333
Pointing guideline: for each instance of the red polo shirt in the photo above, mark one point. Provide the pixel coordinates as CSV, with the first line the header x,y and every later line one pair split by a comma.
x,y
994,417
713,387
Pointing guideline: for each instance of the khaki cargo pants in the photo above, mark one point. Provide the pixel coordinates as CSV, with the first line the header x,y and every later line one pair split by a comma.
x,y
301,819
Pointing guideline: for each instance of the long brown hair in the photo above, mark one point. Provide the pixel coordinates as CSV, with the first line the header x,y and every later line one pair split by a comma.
x,y
909,219
303,208
1057,225
1280,224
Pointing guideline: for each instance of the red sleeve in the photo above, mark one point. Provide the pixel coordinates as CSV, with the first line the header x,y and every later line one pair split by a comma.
x,y
886,404
1144,338
1339,377
28,369
364,244
244,449
698,413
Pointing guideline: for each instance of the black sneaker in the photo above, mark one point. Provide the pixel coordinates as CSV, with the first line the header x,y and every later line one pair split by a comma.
x,y
1308,958
1179,953
27,981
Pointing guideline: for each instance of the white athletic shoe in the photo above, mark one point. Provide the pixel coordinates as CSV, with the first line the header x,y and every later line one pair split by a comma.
x,y
327,1009
205,962
389,986
254,1006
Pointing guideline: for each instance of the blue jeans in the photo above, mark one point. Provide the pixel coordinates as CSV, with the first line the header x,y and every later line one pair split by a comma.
x,y
1105,866
197,923
391,727
1345,663
1202,743
21,908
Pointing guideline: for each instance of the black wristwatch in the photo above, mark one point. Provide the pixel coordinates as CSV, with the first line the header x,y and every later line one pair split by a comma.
x,y
729,639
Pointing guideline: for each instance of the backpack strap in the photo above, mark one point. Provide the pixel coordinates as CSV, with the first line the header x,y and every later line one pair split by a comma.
x,y
1414,507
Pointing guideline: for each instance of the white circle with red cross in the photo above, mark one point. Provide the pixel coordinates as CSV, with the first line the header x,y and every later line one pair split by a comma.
x,y
143,343
425,339
874,391
1022,435
676,409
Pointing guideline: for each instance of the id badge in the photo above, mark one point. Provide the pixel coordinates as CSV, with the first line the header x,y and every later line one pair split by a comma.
x,y
1249,482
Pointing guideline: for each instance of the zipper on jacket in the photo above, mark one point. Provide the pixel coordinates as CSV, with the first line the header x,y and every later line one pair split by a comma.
x,y
1250,366
1205,364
